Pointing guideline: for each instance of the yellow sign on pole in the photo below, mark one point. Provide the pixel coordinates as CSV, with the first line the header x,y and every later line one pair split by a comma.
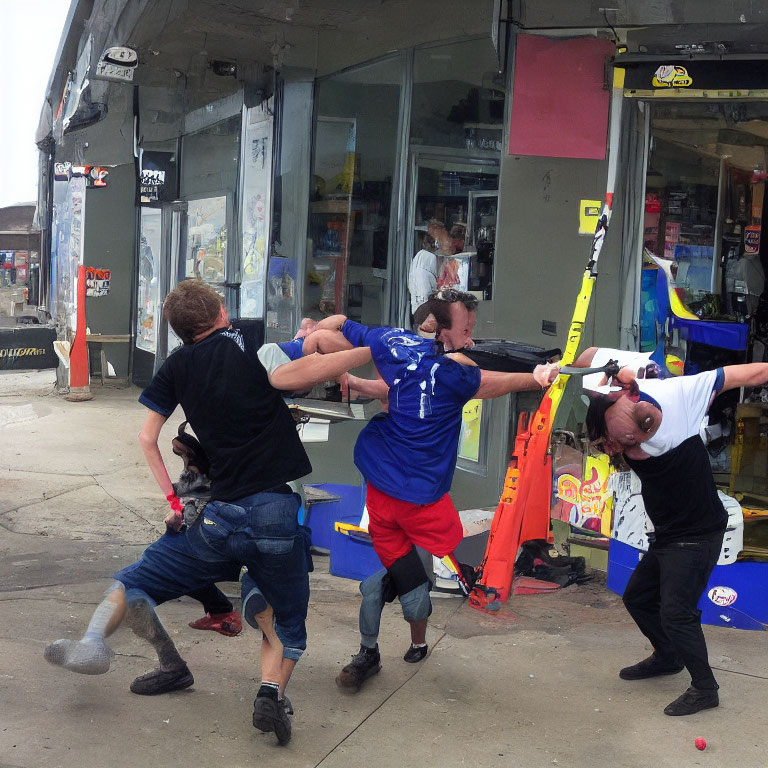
x,y
589,213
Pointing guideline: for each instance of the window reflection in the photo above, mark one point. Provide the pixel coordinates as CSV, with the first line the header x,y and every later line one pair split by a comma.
x,y
351,188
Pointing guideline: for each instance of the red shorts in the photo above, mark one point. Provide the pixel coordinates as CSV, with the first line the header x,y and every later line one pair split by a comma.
x,y
395,526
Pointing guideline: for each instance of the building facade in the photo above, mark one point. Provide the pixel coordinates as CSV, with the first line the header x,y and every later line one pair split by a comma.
x,y
296,158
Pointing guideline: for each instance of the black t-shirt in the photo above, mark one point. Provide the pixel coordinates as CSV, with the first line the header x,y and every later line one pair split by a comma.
x,y
241,421
679,492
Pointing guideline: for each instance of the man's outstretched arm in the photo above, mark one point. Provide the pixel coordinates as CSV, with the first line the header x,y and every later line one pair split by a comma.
x,y
304,373
745,375
148,438
497,383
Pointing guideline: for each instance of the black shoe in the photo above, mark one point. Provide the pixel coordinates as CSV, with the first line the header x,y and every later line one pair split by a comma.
x,y
365,664
651,667
287,706
693,701
162,681
415,653
269,715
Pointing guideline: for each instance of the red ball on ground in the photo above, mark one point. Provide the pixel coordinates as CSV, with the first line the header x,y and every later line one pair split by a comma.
x,y
701,743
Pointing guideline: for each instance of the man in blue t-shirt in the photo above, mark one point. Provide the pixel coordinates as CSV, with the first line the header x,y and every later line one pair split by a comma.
x,y
408,456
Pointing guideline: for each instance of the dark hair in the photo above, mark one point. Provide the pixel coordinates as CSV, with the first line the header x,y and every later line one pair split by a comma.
x,y
438,304
191,308
595,420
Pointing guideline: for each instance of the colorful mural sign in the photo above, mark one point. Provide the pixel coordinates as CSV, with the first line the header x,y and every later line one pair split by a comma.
x,y
591,500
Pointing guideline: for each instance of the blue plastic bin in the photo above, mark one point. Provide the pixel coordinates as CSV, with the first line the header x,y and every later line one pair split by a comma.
x,y
352,555
320,517
734,596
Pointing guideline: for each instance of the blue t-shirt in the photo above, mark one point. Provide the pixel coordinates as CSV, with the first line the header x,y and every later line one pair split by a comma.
x,y
410,452
294,348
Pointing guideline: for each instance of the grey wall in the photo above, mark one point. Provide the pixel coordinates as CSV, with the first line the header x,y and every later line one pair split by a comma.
x,y
540,256
110,241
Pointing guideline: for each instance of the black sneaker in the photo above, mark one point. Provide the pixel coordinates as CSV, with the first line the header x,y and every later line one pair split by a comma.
x,y
365,664
651,667
693,701
287,706
162,681
270,716
416,653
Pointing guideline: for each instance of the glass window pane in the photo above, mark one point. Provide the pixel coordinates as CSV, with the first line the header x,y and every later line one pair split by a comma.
x,y
458,97
206,238
149,298
356,132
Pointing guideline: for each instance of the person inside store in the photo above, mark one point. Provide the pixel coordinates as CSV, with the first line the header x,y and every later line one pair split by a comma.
x,y
407,457
422,275
236,410
653,424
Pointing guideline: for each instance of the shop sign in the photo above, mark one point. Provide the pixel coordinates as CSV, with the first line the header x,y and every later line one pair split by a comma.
x,y
117,64
151,181
94,175
671,76
27,348
724,78
722,596
157,177
97,281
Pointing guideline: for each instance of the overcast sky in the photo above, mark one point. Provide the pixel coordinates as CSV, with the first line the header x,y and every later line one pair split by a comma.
x,y
31,32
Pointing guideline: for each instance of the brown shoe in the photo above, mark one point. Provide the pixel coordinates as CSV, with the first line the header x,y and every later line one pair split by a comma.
x,y
364,664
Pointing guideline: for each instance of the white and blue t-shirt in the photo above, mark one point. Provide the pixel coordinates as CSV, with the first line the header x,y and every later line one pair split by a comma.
x,y
679,490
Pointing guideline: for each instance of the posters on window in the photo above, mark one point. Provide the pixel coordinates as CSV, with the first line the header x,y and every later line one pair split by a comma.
x,y
256,196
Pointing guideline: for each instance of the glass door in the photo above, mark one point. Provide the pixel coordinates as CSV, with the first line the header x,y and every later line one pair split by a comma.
x,y
453,221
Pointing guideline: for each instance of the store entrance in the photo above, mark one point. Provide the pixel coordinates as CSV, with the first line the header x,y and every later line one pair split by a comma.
x,y
704,212
453,212
703,301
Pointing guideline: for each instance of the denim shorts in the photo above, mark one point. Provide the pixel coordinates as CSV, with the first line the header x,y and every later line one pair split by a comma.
x,y
260,532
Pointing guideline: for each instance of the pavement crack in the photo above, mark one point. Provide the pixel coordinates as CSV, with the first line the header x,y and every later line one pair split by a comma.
x,y
388,697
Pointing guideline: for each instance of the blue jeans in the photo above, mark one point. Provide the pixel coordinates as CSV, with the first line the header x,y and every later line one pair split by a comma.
x,y
416,606
260,532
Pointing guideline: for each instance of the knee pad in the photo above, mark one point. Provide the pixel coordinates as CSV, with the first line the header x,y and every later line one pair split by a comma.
x,y
407,573
253,601
416,604
373,584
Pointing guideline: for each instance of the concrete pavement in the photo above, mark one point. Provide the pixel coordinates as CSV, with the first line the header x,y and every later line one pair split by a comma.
x,y
535,686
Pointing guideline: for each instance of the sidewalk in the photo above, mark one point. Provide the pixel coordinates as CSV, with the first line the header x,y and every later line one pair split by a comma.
x,y
534,686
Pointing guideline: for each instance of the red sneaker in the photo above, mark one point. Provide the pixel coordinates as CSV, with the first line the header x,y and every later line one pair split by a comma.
x,y
226,623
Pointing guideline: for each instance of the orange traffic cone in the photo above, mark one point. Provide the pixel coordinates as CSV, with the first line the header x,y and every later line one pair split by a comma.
x,y
79,379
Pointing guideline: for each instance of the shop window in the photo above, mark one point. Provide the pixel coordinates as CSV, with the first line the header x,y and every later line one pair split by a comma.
x,y
209,162
355,152
458,97
703,212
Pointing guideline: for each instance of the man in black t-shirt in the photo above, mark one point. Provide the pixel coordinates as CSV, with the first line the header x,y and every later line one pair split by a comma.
x,y
655,424
238,414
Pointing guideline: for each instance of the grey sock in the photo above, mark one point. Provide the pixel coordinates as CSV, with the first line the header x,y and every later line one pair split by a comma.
x,y
92,658
101,617
144,621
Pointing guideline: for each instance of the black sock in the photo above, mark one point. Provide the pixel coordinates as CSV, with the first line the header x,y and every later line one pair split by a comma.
x,y
271,690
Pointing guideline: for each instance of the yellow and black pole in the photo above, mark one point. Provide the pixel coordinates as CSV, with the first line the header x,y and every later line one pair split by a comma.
x,y
523,510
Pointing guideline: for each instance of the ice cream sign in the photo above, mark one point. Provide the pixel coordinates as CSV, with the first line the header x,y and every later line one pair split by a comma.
x,y
671,76
722,596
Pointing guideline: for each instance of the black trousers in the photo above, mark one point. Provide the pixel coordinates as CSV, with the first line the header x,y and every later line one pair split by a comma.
x,y
213,599
662,595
